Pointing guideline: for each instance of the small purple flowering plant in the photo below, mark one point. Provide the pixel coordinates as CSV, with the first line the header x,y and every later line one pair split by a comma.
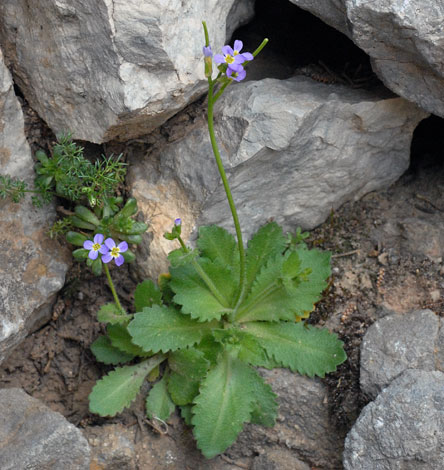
x,y
222,310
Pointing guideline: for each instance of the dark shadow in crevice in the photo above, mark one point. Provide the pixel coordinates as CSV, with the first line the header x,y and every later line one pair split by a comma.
x,y
298,39
427,148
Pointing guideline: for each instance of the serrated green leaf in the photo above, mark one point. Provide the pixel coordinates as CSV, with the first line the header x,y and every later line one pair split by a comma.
x,y
302,348
268,299
182,389
251,352
146,295
160,328
110,313
179,257
224,403
105,352
265,405
120,387
158,402
186,413
266,243
287,288
307,293
216,243
121,339
190,363
194,295
211,348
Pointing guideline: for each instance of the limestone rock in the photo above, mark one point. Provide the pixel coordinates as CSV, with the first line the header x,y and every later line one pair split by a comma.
x,y
396,343
34,437
404,40
112,69
32,267
403,428
294,150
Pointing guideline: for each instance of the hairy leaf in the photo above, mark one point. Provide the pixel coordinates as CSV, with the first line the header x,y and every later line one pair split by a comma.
x,y
224,403
287,288
268,299
119,388
194,294
182,389
266,243
146,295
159,328
190,363
110,313
251,351
302,348
186,413
105,352
158,402
307,293
265,405
180,257
121,339
216,243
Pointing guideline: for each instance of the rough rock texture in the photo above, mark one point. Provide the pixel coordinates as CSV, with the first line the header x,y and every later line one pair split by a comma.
x,y
405,41
403,428
332,12
303,425
34,437
32,267
396,343
294,150
111,69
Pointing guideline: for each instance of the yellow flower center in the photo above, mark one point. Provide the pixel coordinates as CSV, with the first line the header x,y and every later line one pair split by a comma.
x,y
96,246
229,59
115,252
235,52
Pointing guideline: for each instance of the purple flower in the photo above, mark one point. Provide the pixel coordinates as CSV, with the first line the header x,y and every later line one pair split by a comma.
x,y
177,222
95,247
238,45
207,51
114,251
237,76
233,58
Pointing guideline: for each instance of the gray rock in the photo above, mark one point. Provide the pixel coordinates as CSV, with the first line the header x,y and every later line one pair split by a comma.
x,y
32,267
112,69
32,437
332,12
396,343
294,150
303,425
403,428
404,40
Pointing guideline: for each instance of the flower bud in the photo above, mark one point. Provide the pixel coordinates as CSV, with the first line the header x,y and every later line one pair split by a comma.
x,y
208,59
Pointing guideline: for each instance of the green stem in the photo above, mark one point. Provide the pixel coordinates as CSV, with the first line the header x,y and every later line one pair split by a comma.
x,y
204,276
113,290
223,175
